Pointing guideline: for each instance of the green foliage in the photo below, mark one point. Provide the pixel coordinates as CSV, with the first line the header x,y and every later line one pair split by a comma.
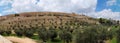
x,y
114,40
52,33
19,32
118,35
43,34
93,34
65,36
29,32
69,32
108,21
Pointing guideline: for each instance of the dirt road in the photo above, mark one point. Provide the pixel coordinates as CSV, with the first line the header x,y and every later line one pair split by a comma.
x,y
20,40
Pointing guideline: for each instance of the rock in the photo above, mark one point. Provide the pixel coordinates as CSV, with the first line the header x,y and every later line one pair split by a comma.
x,y
4,40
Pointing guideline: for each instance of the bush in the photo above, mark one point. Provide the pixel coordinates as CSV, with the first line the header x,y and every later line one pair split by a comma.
x,y
17,15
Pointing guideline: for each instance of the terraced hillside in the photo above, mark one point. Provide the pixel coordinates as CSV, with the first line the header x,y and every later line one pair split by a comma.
x,y
35,19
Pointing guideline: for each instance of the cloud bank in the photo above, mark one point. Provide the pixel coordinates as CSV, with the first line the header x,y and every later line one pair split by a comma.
x,y
68,5
0,14
111,2
106,13
54,5
77,6
5,2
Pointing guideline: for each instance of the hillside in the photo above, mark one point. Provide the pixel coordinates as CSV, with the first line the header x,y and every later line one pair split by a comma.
x,y
57,27
33,19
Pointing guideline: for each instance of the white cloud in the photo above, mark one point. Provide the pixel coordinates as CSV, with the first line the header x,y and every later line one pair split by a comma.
x,y
111,2
77,6
53,5
0,14
5,2
24,6
68,5
106,13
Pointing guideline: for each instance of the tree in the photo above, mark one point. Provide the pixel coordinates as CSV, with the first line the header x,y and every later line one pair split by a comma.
x,y
65,36
1,31
106,21
43,34
93,34
19,32
52,33
5,32
8,32
118,35
84,36
17,15
29,32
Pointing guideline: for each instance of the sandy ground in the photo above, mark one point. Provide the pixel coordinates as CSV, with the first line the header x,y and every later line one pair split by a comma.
x,y
20,40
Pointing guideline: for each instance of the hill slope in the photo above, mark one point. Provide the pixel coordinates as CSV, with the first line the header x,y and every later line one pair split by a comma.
x,y
33,19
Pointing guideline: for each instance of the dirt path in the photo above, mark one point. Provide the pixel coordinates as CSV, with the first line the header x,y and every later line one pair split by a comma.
x,y
4,40
20,40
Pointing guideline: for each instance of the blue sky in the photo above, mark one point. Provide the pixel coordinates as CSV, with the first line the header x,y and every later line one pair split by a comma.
x,y
93,8
102,4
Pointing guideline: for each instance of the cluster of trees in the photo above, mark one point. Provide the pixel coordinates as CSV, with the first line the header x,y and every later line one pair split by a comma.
x,y
47,34
108,21
29,32
72,31
84,34
76,34
118,35
94,34
5,32
52,33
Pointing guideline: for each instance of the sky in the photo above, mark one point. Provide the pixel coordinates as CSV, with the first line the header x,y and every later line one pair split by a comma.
x,y
93,8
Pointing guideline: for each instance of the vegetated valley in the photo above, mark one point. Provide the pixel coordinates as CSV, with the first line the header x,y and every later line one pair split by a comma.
x,y
58,27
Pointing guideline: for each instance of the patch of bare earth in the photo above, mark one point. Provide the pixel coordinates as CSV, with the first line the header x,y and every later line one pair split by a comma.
x,y
20,40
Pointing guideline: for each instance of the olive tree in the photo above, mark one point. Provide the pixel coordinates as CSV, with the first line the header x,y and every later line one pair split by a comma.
x,y
65,36
43,34
52,33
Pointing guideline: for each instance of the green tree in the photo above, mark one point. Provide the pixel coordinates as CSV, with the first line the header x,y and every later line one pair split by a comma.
x,y
29,32
118,35
93,34
52,33
106,21
65,36
19,32
43,34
